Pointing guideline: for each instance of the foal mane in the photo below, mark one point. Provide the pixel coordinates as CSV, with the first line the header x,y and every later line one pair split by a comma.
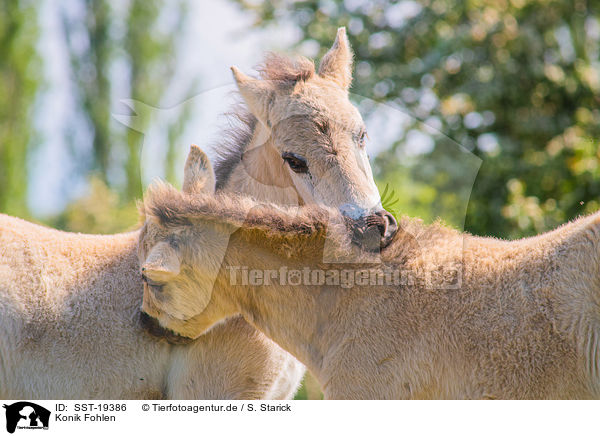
x,y
172,208
282,71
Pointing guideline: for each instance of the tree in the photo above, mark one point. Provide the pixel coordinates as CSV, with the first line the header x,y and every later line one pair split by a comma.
x,y
516,82
146,55
18,86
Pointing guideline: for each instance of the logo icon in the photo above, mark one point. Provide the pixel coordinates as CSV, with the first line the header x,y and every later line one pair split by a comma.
x,y
26,415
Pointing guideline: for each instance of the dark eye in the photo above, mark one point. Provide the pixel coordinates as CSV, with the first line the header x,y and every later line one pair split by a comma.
x,y
362,138
152,284
297,163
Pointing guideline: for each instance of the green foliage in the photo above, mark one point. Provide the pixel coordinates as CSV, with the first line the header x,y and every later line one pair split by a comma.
x,y
148,51
100,212
516,82
18,85
310,389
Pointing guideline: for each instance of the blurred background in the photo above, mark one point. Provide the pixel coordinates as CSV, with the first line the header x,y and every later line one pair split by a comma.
x,y
485,113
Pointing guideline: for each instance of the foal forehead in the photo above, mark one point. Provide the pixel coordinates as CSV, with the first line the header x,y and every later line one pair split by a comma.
x,y
315,123
320,99
317,136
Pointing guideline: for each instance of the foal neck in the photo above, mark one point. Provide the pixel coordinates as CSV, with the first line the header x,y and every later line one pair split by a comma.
x,y
261,172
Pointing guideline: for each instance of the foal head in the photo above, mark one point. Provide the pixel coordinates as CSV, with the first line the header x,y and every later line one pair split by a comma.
x,y
186,240
309,135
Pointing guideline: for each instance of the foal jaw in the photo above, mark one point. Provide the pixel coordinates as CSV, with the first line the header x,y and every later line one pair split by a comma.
x,y
152,326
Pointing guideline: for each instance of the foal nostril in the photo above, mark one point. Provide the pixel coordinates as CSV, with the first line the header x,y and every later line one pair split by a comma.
x,y
388,226
392,227
373,231
377,220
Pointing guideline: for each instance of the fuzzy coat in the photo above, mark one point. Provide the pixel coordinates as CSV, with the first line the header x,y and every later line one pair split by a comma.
x,y
473,317
70,328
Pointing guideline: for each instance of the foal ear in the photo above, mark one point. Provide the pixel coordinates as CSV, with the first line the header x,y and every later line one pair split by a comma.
x,y
336,65
258,95
162,262
198,175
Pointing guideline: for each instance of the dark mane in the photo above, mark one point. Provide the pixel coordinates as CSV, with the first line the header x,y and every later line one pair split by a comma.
x,y
236,137
283,71
172,208
263,224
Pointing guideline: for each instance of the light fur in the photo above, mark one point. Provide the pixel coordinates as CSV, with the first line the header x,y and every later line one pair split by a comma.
x,y
310,115
70,328
505,320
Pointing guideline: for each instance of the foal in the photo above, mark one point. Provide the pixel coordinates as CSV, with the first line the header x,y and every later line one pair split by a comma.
x,y
301,141
468,317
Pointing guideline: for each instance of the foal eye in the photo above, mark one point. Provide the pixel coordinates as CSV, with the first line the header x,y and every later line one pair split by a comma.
x,y
297,163
362,139
152,284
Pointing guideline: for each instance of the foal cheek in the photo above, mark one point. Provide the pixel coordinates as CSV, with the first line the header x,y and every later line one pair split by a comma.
x,y
305,188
